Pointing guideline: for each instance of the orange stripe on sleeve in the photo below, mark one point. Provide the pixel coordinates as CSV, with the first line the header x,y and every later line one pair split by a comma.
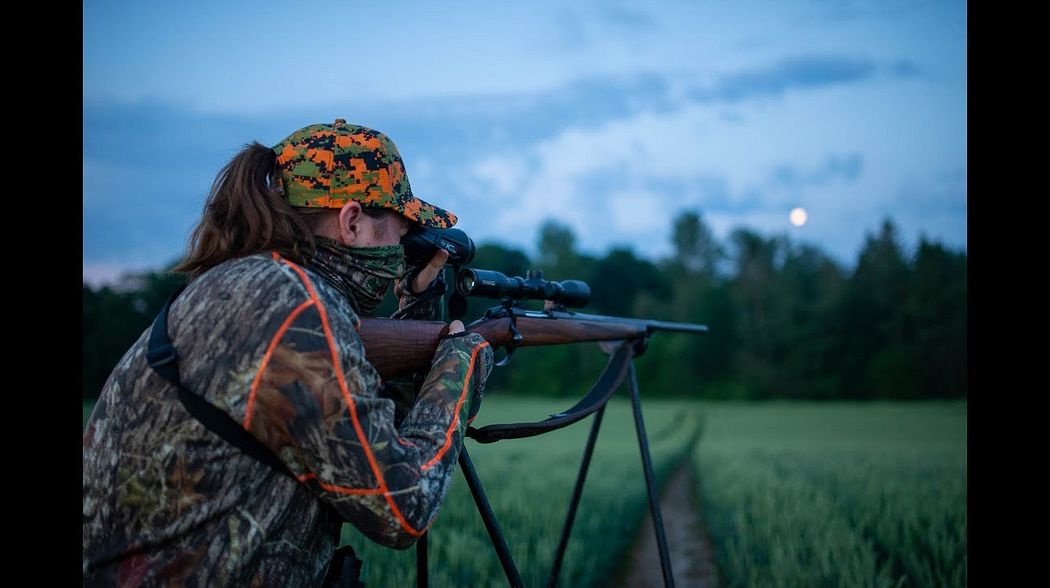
x,y
340,377
459,405
354,491
266,359
340,489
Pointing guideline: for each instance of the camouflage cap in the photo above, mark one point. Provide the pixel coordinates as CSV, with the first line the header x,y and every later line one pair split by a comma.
x,y
328,165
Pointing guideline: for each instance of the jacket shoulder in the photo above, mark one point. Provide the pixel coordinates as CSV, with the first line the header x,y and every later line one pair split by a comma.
x,y
259,287
231,317
268,277
253,274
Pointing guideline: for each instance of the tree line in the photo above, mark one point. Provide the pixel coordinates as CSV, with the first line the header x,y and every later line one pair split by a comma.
x,y
785,319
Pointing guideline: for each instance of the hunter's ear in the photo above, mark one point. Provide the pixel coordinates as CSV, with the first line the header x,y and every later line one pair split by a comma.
x,y
350,223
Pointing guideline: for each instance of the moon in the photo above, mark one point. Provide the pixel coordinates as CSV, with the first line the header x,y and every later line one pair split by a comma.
x,y
798,216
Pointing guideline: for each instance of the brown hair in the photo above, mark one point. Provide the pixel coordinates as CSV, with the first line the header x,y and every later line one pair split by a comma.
x,y
245,213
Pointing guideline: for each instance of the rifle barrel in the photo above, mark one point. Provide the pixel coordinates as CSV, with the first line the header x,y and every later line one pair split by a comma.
x,y
651,325
680,327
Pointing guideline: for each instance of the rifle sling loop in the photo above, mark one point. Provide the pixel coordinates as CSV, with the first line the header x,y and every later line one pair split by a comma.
x,y
608,382
516,337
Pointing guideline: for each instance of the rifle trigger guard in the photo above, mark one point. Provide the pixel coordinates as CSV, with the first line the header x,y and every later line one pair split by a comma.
x,y
508,350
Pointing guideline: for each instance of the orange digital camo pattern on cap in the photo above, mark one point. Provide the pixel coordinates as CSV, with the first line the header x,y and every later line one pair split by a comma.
x,y
327,165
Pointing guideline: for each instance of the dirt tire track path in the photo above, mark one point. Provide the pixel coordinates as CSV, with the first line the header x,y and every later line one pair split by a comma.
x,y
690,550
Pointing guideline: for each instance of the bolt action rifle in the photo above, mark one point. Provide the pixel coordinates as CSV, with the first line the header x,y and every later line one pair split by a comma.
x,y
401,347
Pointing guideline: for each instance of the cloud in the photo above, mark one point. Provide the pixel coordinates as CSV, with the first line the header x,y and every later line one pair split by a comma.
x,y
636,214
802,72
941,193
846,167
570,31
624,180
904,69
580,28
500,173
842,11
155,133
626,18
158,133
585,152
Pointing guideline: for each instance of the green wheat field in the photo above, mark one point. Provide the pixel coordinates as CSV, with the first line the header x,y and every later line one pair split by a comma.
x,y
792,494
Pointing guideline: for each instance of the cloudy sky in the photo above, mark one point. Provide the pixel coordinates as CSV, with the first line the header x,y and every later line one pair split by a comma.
x,y
612,117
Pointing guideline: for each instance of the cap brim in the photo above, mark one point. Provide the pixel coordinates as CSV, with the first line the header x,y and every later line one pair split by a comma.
x,y
427,214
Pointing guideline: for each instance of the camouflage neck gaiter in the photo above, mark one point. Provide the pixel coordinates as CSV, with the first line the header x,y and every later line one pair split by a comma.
x,y
362,274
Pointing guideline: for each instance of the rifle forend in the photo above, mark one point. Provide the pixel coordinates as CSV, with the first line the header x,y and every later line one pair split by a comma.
x,y
402,347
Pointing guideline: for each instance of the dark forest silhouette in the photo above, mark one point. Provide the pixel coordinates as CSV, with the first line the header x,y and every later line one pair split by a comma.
x,y
786,320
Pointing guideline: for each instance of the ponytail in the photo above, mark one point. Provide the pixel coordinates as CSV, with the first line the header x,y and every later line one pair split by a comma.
x,y
245,214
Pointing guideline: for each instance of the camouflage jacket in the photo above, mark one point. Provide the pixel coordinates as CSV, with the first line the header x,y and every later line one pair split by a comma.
x,y
274,345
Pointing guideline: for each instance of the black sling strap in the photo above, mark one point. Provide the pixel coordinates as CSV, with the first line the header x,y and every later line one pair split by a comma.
x,y
603,389
164,359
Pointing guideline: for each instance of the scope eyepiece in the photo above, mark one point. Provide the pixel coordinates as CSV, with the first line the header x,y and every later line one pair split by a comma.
x,y
421,243
492,284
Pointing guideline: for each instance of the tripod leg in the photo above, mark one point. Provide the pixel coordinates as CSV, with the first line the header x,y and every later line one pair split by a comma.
x,y
489,517
577,491
650,483
422,566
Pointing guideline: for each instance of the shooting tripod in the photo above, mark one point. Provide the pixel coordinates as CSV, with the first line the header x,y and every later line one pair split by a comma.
x,y
619,368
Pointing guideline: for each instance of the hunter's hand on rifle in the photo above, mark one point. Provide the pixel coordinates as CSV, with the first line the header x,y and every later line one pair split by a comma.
x,y
428,273
483,367
419,291
462,365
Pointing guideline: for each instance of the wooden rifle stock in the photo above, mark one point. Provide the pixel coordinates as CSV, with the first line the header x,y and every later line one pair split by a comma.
x,y
402,347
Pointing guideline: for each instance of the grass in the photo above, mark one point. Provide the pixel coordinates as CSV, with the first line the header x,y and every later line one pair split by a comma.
x,y
801,494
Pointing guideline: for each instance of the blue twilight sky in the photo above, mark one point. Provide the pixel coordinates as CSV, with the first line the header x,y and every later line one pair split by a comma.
x,y
611,116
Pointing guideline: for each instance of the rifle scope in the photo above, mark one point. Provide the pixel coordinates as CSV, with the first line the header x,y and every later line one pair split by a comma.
x,y
421,243
491,284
